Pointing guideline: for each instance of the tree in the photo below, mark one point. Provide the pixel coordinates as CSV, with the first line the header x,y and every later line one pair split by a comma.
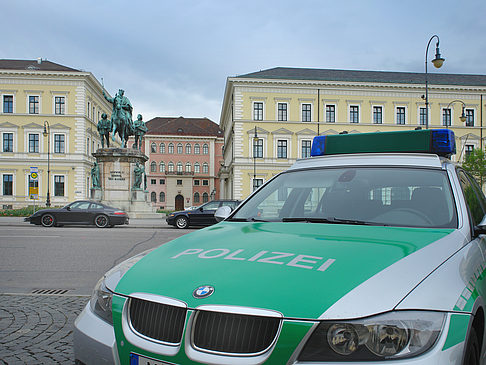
x,y
475,164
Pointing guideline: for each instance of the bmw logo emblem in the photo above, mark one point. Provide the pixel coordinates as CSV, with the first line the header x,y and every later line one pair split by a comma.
x,y
203,291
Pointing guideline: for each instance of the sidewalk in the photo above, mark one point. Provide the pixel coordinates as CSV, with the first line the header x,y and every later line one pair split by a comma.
x,y
134,223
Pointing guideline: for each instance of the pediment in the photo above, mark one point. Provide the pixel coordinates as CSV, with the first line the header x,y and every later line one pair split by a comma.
x,y
8,125
329,131
33,126
59,126
469,136
259,131
282,131
307,132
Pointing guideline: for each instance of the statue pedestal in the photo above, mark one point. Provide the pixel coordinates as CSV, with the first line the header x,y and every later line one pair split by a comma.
x,y
117,177
96,194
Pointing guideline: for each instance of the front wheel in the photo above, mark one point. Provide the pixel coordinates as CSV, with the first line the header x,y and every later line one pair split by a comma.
x,y
181,222
47,220
472,349
101,221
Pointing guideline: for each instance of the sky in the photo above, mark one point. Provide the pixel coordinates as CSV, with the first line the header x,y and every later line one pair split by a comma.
x,y
173,58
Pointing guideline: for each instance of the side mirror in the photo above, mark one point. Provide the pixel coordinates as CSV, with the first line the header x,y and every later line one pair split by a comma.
x,y
481,227
68,208
222,213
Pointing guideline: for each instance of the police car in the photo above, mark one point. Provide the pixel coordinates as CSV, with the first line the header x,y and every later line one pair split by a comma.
x,y
369,252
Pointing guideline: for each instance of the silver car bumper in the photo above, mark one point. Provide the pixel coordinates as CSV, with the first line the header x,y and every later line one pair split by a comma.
x,y
94,340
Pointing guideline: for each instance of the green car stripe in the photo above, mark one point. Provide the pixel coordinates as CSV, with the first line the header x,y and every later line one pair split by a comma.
x,y
457,330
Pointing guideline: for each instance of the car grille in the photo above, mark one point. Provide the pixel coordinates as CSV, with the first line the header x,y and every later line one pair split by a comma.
x,y
157,321
234,333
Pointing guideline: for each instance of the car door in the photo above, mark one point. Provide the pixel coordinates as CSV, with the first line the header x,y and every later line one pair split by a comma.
x,y
204,216
94,210
78,213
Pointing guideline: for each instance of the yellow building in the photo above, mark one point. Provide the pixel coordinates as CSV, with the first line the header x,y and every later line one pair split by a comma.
x,y
287,107
41,96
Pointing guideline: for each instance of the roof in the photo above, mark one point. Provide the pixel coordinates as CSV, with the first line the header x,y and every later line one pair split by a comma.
x,y
34,65
183,126
439,78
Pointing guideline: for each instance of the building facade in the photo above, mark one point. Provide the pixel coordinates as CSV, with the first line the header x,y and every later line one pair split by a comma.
x,y
270,117
48,116
185,155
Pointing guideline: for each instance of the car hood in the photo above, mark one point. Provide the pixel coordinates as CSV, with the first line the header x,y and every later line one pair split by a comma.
x,y
298,269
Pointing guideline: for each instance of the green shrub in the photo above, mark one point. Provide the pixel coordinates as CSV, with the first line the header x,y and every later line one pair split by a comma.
x,y
21,212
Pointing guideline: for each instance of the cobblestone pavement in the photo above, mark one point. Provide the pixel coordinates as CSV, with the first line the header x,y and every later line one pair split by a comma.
x,y
38,329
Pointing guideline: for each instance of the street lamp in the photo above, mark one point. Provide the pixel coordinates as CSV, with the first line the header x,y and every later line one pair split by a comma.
x,y
462,118
47,133
255,141
437,61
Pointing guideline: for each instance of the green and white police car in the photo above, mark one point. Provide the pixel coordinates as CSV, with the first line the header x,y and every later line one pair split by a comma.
x,y
369,252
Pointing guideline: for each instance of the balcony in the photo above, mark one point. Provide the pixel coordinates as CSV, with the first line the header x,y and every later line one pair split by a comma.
x,y
179,173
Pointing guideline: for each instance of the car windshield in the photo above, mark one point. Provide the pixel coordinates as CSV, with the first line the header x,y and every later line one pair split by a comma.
x,y
389,196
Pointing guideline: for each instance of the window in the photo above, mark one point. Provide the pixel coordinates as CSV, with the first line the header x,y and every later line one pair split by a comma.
x,y
446,117
188,149
153,166
33,105
179,148
59,103
205,149
7,184
58,185
162,166
469,149
258,110
281,148
179,167
179,182
205,182
162,197
33,143
170,148
423,116
196,182
205,197
8,142
258,148
306,112
354,113
282,112
330,113
188,167
196,197
257,183
377,115
153,147
205,168
162,181
197,168
153,181
171,166
306,148
162,148
469,117
400,115
197,149
153,197
8,103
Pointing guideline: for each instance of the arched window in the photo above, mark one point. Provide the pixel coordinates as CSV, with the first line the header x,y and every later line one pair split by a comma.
x,y
153,166
205,168
205,149
196,197
197,168
188,149
179,167
188,167
197,149
162,197
162,148
162,166
153,197
171,166
153,147
179,148
205,197
170,148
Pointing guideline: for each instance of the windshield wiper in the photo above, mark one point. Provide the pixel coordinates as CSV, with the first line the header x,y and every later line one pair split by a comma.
x,y
251,219
331,220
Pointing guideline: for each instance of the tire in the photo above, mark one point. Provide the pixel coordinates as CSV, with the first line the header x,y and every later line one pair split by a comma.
x,y
472,349
48,220
181,222
101,221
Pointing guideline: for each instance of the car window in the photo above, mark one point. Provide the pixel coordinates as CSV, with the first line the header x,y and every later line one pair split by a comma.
x,y
80,205
230,204
211,205
473,196
386,195
95,206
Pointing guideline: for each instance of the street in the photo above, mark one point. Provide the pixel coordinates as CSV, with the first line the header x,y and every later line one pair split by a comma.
x,y
46,278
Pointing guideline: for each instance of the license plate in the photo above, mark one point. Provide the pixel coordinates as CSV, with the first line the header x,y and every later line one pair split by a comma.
x,y
136,359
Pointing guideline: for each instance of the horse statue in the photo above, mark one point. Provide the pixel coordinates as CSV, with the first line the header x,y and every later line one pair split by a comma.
x,y
121,117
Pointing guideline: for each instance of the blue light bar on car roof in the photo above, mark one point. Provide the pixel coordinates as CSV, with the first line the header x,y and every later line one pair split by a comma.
x,y
438,141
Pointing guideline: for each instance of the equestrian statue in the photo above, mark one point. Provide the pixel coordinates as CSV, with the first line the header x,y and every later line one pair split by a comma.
x,y
121,117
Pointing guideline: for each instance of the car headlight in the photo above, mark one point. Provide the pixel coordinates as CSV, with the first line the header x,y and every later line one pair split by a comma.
x,y
101,299
394,335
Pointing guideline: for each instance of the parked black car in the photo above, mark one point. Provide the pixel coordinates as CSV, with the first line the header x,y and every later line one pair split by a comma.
x,y
199,216
80,212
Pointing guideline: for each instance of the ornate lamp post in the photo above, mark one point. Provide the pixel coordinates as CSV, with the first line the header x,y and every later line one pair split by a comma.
x,y
255,141
437,61
462,118
47,133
